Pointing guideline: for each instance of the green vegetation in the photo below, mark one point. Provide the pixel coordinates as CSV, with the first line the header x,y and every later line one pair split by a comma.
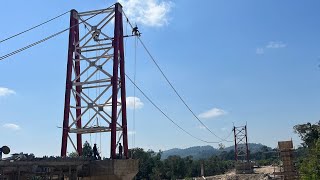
x,y
309,153
87,150
177,164
175,167
73,155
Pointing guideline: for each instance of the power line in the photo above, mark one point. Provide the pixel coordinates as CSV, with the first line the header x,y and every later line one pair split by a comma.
x,y
49,37
170,119
174,89
33,27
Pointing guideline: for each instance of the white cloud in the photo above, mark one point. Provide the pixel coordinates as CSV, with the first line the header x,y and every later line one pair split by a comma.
x,y
12,126
134,103
271,45
223,129
132,133
276,45
212,113
201,127
147,12
259,51
5,91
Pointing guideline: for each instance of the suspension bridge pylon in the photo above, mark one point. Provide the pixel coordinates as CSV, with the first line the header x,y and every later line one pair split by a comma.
x,y
241,150
241,147
95,96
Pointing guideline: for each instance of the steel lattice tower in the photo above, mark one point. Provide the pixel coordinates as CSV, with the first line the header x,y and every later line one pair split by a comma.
x,y
95,82
241,148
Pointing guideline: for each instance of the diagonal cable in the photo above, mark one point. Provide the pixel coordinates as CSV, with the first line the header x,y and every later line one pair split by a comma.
x,y
174,89
170,119
49,37
3,40
176,92
188,107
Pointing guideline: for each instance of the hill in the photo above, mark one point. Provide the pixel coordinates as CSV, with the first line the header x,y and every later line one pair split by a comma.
x,y
199,152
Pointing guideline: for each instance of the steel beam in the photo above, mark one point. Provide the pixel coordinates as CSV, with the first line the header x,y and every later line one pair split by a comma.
x,y
123,90
115,81
90,62
240,142
71,47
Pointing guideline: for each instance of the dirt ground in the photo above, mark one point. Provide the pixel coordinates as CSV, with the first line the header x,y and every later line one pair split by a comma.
x,y
262,173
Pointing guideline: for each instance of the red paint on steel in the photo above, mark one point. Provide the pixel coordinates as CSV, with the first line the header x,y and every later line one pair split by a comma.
x,y
247,146
65,129
240,134
123,90
114,81
78,87
235,145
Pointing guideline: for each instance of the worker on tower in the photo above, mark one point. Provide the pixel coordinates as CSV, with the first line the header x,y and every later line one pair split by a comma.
x,y
120,151
95,152
135,31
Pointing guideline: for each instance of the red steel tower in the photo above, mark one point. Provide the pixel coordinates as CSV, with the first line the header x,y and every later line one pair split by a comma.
x,y
241,148
95,96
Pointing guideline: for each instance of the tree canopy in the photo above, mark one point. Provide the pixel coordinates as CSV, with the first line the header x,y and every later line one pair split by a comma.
x,y
87,150
309,160
309,133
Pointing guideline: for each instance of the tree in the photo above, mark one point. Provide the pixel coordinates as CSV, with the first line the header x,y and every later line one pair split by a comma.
x,y
87,150
310,166
150,165
309,133
73,155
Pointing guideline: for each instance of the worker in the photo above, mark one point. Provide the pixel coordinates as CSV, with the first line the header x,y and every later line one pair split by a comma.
x,y
96,35
135,31
95,152
120,151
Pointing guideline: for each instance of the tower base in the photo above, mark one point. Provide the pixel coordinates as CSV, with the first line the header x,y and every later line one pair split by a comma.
x,y
69,169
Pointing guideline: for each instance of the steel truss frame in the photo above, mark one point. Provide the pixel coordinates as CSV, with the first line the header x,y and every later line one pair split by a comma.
x,y
241,148
103,73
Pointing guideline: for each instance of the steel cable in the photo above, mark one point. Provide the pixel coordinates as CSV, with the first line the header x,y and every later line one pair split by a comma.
x,y
174,89
49,37
33,27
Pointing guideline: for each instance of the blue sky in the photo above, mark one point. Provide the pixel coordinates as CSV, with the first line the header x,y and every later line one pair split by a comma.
x,y
246,61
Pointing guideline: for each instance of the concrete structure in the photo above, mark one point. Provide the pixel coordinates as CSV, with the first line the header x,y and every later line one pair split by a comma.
x,y
244,167
69,169
287,170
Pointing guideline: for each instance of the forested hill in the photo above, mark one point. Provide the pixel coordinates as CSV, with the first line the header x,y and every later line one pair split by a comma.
x,y
199,152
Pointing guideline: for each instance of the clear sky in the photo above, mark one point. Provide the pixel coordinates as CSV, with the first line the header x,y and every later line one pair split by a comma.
x,y
232,61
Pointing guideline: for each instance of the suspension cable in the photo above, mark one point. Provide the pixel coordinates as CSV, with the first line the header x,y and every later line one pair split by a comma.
x,y
171,85
49,37
170,119
134,90
176,92
34,27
